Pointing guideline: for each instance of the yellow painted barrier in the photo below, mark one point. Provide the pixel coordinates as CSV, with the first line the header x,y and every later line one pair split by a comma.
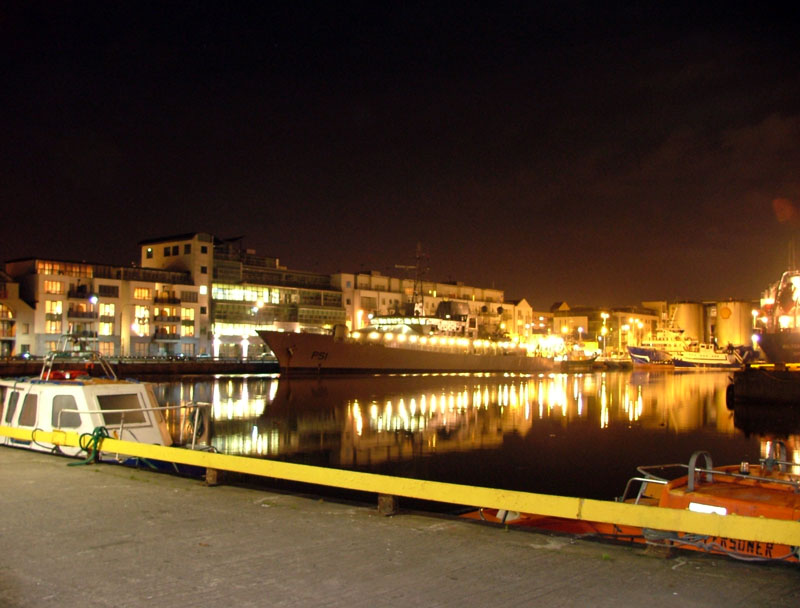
x,y
729,526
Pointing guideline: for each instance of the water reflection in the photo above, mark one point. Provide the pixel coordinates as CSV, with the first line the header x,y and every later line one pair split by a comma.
x,y
576,434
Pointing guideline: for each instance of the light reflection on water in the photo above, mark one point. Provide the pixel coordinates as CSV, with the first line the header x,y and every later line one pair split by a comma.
x,y
571,434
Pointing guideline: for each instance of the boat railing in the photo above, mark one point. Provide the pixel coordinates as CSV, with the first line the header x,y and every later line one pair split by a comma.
x,y
643,482
88,359
197,405
694,472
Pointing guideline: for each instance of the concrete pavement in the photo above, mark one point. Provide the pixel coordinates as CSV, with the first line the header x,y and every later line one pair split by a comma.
x,y
102,535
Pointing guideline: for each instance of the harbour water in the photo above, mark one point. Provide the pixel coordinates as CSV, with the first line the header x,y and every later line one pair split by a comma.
x,y
565,434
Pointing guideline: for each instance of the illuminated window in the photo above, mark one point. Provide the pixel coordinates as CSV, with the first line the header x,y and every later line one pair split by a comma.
x,y
149,253
187,314
106,329
187,330
52,327
141,293
53,307
54,287
107,310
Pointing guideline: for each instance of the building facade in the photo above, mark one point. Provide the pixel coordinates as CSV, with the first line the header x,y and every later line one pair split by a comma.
x,y
119,310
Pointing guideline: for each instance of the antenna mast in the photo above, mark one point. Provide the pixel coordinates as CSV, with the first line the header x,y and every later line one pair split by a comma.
x,y
419,270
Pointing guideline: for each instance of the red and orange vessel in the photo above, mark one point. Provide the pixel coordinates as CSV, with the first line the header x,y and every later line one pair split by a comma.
x,y
769,489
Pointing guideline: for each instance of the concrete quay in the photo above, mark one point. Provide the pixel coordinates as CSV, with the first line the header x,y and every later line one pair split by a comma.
x,y
103,535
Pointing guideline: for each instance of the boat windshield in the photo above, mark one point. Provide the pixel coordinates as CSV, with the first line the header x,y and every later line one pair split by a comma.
x,y
119,407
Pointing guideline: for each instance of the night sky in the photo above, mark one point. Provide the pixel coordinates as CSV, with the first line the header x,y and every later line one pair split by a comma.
x,y
598,153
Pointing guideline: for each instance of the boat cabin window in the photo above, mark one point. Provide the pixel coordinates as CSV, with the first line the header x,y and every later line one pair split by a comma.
x,y
111,404
61,419
27,416
12,406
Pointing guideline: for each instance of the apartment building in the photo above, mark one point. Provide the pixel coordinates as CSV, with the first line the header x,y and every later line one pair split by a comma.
x,y
244,292
118,310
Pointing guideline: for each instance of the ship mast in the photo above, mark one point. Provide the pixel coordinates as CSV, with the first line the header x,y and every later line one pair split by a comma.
x,y
416,304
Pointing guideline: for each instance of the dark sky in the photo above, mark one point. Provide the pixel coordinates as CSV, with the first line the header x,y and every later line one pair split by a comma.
x,y
598,153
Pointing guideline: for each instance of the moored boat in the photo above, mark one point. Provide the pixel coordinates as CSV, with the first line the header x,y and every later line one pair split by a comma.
x,y
769,489
780,335
707,356
373,351
77,391
671,348
658,350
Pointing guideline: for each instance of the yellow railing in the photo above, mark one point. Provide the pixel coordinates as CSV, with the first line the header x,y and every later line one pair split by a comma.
x,y
730,526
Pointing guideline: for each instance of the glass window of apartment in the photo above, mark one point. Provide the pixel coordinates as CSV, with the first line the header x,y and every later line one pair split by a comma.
x,y
108,291
141,293
187,331
106,329
107,310
187,248
175,250
52,327
149,253
54,287
203,249
187,314
106,348
203,269
166,251
53,307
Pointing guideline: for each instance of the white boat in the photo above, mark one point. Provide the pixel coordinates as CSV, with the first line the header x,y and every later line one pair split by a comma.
x,y
406,347
78,392
699,355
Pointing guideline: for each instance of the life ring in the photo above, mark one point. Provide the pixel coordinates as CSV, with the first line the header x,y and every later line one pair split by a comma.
x,y
69,374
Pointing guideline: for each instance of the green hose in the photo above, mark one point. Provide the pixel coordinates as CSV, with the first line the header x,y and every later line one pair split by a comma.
x,y
90,443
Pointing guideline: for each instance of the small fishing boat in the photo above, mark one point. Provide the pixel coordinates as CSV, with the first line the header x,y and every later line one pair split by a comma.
x,y
578,360
78,392
768,489
658,350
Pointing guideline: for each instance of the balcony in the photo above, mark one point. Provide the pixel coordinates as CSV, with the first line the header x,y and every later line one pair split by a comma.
x,y
166,319
163,336
166,300
80,293
81,314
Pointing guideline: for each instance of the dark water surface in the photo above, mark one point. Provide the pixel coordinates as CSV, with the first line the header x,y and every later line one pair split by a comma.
x,y
566,434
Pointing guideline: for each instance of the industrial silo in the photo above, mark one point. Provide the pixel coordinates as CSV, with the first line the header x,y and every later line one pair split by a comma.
x,y
688,316
734,324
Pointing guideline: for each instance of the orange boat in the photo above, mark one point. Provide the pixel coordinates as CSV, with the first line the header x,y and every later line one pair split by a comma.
x,y
767,489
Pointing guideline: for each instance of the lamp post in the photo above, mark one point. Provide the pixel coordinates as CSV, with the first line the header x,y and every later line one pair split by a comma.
x,y
604,331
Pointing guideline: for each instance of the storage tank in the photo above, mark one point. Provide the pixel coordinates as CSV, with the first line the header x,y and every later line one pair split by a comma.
x,y
688,316
734,323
